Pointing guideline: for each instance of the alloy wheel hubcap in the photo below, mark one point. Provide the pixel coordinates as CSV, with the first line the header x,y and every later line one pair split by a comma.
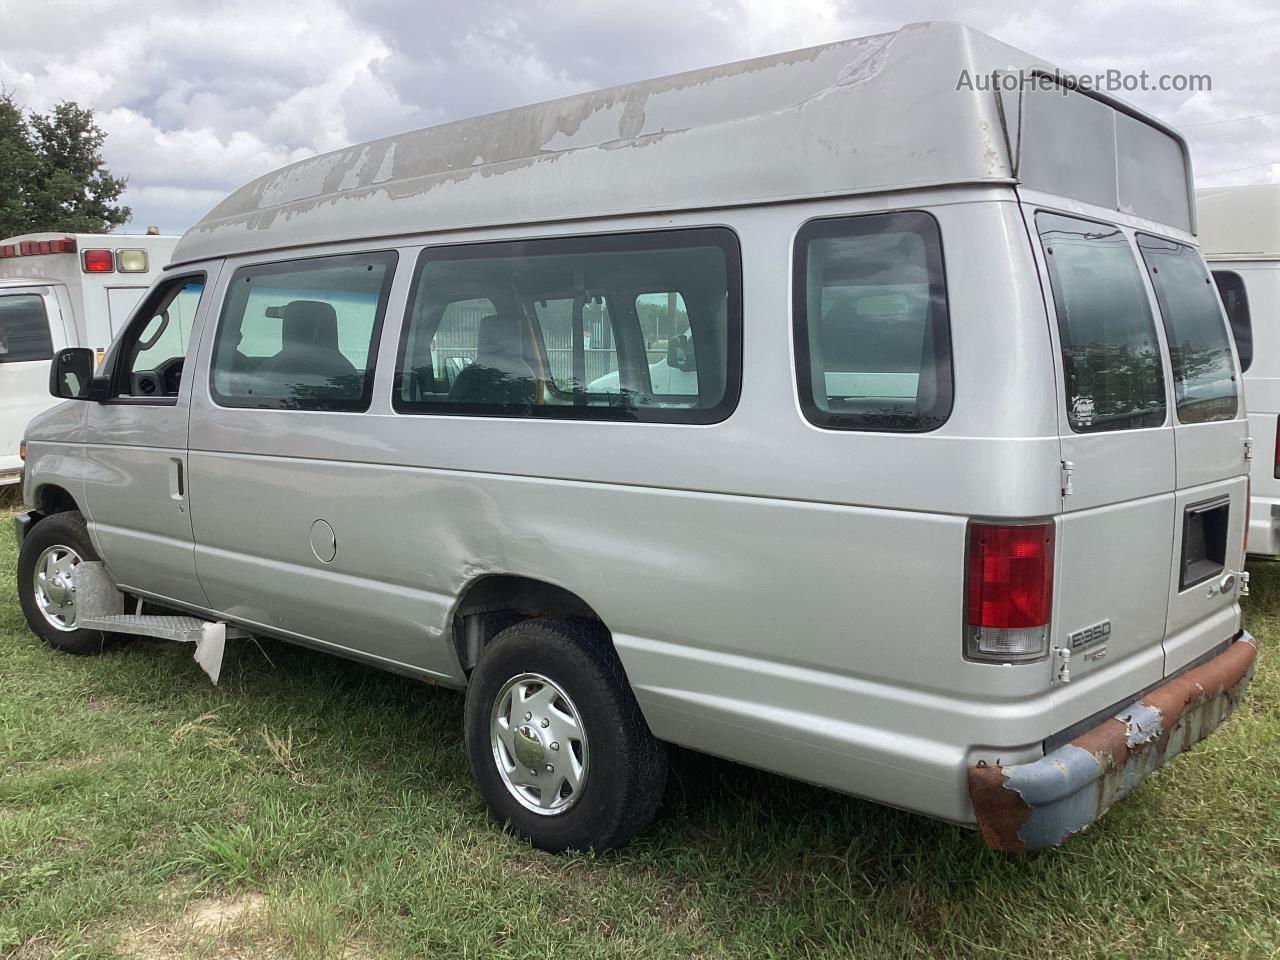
x,y
55,587
539,744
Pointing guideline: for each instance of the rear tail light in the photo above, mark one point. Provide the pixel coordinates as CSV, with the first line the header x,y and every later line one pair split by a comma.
x,y
1009,591
98,261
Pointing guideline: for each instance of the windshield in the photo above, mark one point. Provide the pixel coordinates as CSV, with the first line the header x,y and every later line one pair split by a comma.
x,y
1203,370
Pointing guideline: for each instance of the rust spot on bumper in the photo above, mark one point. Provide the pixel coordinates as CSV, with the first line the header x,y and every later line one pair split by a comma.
x,y
1039,804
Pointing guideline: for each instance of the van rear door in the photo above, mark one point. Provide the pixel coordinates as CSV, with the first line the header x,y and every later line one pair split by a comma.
x,y
1115,534
1210,431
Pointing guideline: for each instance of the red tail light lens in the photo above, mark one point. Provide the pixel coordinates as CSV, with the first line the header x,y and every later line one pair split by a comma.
x,y
1009,593
99,261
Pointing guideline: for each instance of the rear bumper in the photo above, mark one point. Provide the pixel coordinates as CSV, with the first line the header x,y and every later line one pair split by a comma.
x,y
1028,806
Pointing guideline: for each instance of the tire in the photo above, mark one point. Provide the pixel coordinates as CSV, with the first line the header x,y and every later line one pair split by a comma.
x,y
61,532
620,767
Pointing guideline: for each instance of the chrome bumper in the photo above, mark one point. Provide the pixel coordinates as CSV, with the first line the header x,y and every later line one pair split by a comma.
x,y
1029,806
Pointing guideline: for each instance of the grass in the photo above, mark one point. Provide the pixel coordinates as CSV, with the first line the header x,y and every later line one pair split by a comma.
x,y
315,808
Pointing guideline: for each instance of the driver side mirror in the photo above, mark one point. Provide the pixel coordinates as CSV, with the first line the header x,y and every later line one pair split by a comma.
x,y
680,354
71,375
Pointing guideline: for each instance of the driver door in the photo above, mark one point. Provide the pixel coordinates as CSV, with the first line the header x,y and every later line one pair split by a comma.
x,y
136,449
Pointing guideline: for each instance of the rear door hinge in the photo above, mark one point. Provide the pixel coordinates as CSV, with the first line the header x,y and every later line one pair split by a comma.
x,y
1064,664
1248,449
1068,469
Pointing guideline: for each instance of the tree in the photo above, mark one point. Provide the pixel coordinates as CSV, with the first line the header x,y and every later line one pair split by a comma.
x,y
17,161
52,175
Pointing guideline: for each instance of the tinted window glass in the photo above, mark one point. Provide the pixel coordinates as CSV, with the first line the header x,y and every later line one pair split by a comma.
x,y
1204,376
565,330
1236,302
1110,354
872,333
24,329
302,334
154,350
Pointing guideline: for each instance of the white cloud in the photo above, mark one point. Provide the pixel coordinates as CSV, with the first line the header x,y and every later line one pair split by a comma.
x,y
198,97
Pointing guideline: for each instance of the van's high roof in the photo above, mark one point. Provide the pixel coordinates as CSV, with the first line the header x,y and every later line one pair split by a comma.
x,y
880,113
1241,223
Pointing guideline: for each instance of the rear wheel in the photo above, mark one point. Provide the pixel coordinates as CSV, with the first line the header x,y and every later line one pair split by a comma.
x,y
558,746
50,554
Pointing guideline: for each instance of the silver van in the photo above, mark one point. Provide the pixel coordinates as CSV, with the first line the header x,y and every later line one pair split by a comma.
x,y
946,508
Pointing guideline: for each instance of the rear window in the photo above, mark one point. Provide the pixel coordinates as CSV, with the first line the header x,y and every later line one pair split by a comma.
x,y
872,334
1110,354
24,329
1236,302
1204,375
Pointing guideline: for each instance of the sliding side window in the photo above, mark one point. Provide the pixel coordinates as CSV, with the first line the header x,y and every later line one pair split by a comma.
x,y
572,328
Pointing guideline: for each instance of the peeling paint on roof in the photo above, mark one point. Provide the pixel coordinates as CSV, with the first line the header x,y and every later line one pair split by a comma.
x,y
872,114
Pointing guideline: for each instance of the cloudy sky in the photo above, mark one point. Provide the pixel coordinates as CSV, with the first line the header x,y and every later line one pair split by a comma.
x,y
198,97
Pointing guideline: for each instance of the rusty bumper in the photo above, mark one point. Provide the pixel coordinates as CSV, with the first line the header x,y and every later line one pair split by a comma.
x,y
1028,806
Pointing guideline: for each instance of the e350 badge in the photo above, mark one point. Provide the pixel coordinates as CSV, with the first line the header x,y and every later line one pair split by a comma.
x,y
1089,635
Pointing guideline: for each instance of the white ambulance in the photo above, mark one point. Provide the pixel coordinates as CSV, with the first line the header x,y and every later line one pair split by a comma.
x,y
62,290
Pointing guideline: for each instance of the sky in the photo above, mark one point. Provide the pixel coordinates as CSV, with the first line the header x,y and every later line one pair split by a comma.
x,y
199,97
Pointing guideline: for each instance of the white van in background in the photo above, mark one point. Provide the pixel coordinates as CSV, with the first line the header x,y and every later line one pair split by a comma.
x,y
62,290
1240,237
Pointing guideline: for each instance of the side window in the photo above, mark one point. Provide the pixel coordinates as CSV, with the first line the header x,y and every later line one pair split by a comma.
x,y
1235,300
873,341
153,349
302,334
24,329
1204,374
1110,354
571,327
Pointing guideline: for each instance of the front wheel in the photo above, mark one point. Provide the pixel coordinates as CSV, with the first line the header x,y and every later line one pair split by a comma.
x,y
558,747
50,554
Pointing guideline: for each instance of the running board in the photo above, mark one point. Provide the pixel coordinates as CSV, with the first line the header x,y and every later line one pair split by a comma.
x,y
182,629
100,604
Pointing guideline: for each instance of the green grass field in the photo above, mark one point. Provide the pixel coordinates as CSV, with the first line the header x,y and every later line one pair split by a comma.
x,y
309,807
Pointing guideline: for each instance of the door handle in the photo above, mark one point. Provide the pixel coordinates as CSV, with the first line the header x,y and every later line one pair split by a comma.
x,y
177,486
